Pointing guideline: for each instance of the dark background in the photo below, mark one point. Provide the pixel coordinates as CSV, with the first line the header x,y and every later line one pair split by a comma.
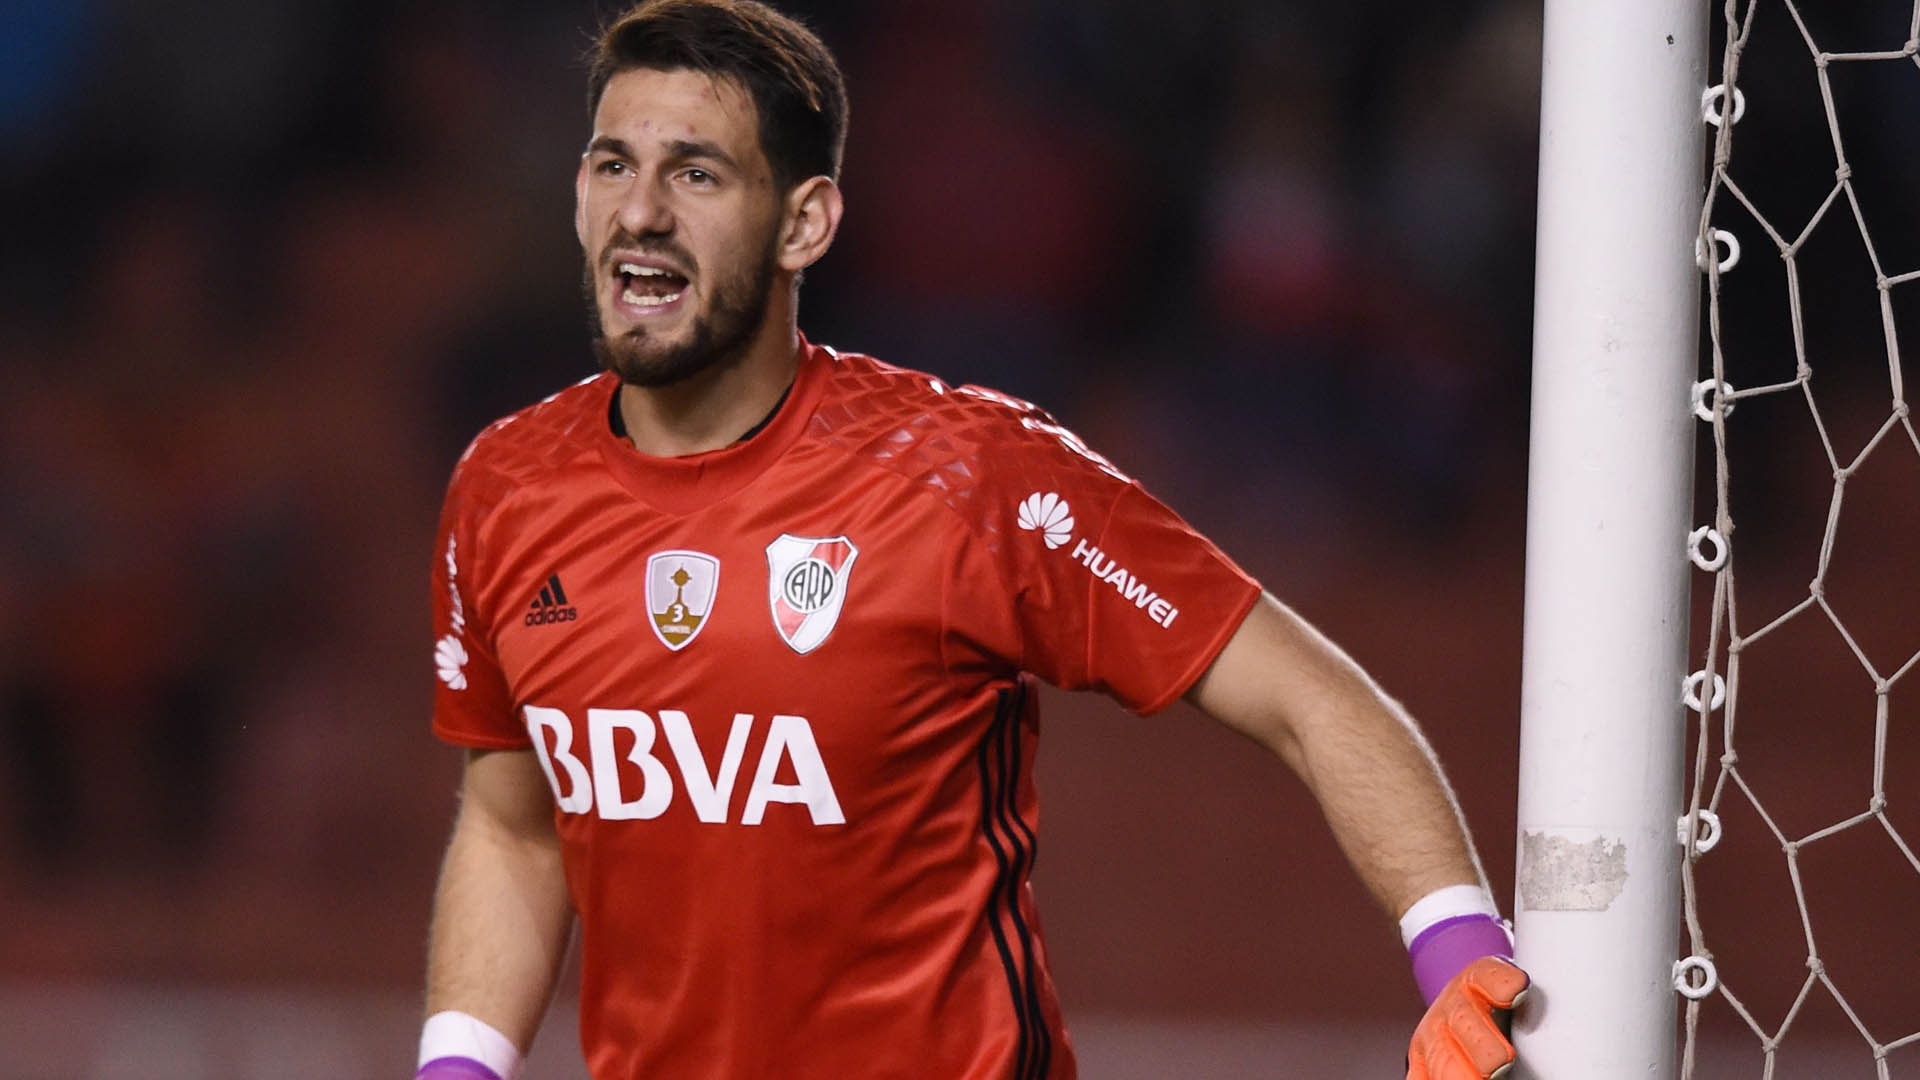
x,y
269,266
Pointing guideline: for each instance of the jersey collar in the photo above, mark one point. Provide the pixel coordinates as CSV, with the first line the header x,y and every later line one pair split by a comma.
x,y
682,485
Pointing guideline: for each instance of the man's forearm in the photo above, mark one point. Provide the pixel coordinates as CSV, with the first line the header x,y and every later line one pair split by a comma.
x,y
1281,683
1384,797
500,922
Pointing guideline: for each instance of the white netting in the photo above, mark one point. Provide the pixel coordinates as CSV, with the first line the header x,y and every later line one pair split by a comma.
x,y
1800,875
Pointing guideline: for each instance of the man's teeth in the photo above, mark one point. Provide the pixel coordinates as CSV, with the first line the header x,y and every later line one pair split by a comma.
x,y
634,271
635,298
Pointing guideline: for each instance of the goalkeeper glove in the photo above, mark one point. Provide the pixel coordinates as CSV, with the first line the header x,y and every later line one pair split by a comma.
x,y
1460,1037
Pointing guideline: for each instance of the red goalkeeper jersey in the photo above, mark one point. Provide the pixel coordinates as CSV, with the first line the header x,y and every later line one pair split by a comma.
x,y
782,693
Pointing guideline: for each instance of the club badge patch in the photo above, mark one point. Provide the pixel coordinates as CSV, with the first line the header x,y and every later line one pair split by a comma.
x,y
806,586
680,591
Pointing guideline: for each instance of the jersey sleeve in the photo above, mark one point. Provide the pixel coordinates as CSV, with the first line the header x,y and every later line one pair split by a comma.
x,y
471,704
1111,590
1162,601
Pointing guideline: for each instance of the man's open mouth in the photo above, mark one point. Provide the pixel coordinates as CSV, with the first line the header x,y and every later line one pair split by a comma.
x,y
649,286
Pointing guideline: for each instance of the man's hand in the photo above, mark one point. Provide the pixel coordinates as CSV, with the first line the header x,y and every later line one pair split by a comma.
x,y
1460,1038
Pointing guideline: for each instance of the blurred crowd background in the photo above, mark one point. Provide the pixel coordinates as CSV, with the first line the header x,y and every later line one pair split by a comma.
x,y
268,266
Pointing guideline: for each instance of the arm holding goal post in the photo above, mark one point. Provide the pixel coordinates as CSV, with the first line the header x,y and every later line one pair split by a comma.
x,y
1284,685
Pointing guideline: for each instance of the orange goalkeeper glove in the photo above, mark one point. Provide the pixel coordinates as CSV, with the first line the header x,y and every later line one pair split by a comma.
x,y
1460,1037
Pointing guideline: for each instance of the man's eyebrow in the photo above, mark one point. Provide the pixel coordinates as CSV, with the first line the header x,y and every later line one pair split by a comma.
x,y
676,148
689,148
609,145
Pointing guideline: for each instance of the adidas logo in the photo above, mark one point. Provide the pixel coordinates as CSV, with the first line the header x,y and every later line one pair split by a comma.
x,y
551,605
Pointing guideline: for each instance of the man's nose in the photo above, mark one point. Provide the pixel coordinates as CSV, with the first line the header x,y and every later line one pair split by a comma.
x,y
644,210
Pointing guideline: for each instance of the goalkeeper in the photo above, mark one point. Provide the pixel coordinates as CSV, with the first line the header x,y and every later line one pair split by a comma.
x,y
741,634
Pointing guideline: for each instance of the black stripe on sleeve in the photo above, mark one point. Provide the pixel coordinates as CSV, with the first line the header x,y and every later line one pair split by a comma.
x,y
1023,856
988,759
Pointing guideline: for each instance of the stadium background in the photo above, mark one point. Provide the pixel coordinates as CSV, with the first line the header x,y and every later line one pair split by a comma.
x,y
269,266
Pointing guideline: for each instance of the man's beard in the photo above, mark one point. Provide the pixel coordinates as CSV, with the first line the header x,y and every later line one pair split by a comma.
x,y
737,309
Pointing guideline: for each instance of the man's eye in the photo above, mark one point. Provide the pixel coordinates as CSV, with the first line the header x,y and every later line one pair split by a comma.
x,y
611,167
698,176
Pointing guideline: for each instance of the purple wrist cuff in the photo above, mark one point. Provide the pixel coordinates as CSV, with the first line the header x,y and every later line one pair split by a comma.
x,y
1441,950
455,1068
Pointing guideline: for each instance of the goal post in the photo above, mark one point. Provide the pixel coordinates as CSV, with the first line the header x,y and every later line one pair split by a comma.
x,y
1609,496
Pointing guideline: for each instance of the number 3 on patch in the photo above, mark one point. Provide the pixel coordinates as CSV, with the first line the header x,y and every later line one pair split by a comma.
x,y
806,586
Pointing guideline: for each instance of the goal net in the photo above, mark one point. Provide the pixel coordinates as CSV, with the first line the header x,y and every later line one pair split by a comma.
x,y
1801,867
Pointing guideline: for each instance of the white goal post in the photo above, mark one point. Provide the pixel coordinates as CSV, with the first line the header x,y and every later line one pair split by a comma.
x,y
1609,495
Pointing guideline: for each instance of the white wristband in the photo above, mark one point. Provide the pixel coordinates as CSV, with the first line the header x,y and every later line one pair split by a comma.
x,y
458,1034
1450,902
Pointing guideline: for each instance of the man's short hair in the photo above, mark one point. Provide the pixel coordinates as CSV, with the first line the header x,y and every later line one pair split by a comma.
x,y
795,84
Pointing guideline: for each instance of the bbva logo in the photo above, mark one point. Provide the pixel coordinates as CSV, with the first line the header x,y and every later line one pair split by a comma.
x,y
601,786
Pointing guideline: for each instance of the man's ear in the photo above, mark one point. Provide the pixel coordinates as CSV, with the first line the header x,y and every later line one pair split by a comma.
x,y
580,203
810,220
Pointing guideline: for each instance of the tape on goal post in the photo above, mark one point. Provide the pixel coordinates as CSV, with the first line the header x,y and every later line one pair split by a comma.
x,y
1801,883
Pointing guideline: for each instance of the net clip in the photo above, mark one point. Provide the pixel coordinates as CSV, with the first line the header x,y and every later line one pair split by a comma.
x,y
1705,836
1722,397
1690,692
1695,977
1697,542
1720,236
1712,100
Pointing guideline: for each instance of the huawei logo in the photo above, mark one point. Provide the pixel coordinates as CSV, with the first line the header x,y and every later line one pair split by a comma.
x,y
1048,513
450,658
